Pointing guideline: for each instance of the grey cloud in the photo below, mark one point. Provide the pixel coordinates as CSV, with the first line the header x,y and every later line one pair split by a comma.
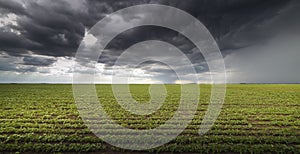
x,y
27,63
56,28
12,6
38,61
53,28
11,64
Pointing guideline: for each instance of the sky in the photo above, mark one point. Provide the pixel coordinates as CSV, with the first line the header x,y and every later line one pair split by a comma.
x,y
259,41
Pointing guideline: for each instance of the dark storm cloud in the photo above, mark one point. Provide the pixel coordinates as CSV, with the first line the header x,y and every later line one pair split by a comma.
x,y
234,24
12,6
52,28
143,33
55,28
235,20
15,44
46,29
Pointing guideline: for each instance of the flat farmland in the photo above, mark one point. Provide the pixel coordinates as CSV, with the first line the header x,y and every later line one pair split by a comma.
x,y
255,118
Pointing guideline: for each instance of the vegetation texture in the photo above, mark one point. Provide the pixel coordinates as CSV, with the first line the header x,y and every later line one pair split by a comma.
x,y
255,119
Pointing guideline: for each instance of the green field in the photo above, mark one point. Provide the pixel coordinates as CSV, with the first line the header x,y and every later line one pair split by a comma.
x,y
255,118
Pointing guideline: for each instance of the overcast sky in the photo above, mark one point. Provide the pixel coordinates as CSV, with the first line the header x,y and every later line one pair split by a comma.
x,y
259,40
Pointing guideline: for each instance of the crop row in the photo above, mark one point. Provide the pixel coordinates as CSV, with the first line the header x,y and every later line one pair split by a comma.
x,y
146,124
57,138
47,147
231,132
174,148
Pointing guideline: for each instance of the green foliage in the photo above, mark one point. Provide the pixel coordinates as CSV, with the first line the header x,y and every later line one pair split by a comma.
x,y
254,119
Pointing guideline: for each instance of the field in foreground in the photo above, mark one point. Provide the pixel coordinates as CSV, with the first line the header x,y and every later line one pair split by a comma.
x,y
254,119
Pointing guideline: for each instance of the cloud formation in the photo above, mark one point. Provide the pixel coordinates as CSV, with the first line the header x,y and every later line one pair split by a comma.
x,y
35,34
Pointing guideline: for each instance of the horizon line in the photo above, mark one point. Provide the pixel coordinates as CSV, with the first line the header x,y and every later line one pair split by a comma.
x,y
148,83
